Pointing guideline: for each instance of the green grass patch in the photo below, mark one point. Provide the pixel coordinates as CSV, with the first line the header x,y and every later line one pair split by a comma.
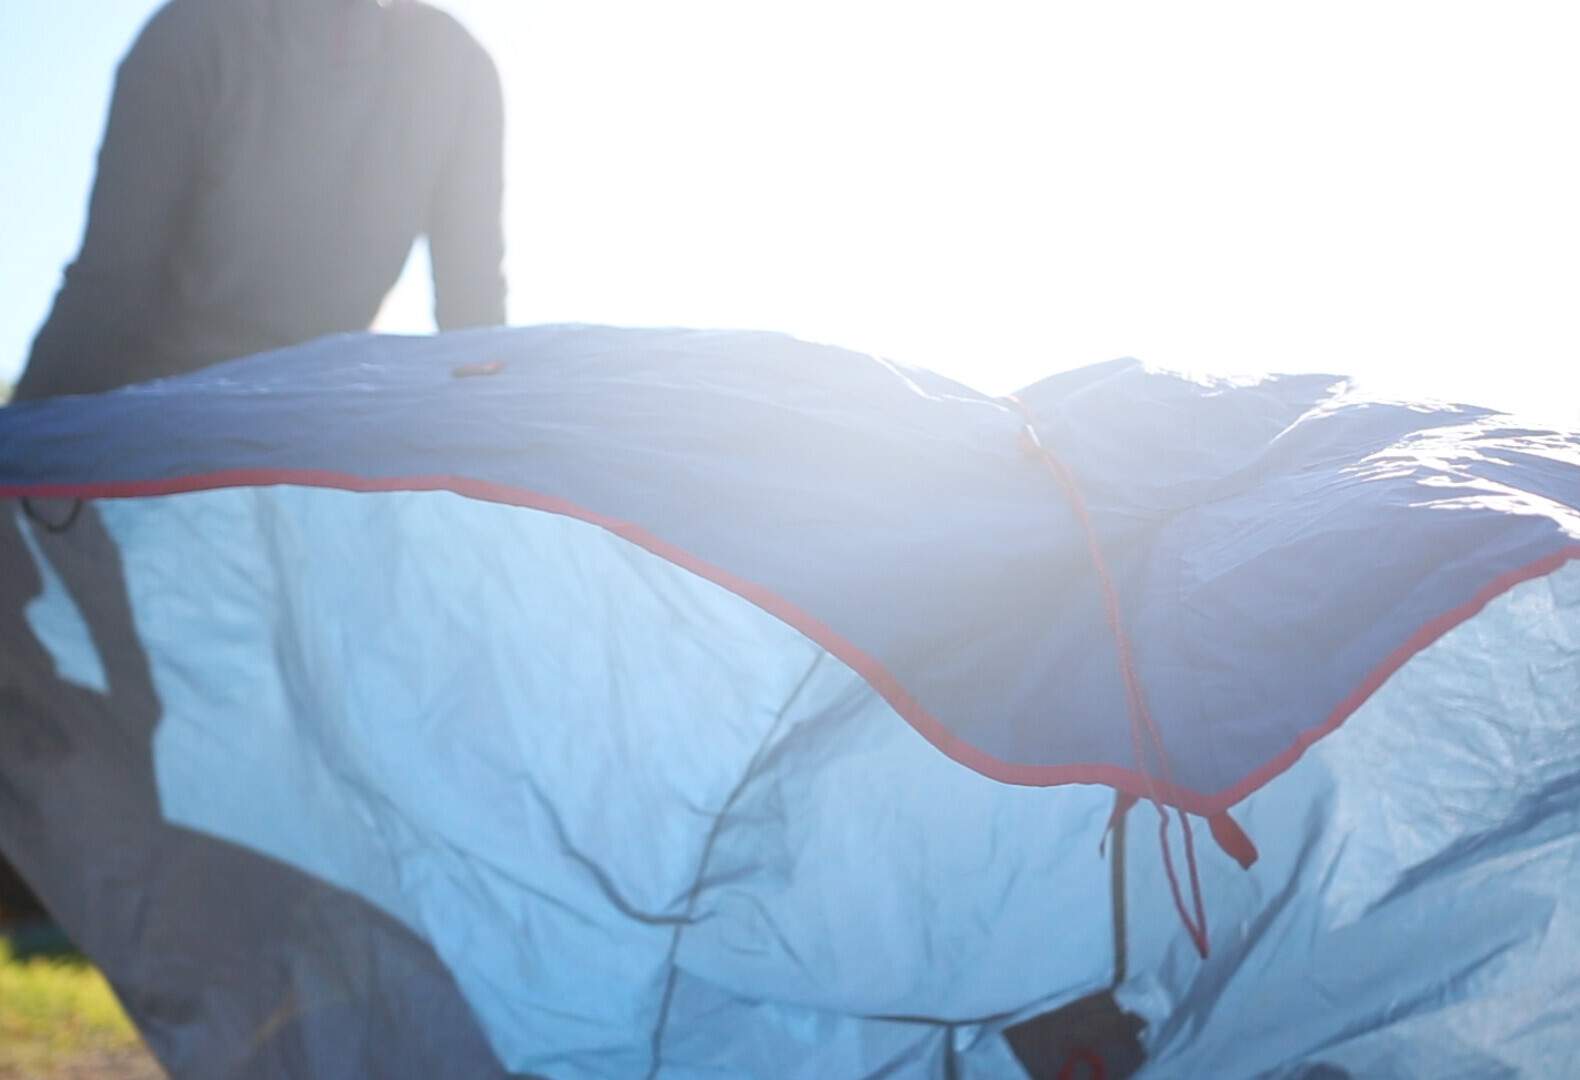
x,y
53,1010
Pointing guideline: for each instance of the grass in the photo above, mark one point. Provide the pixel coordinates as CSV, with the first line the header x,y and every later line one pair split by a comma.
x,y
56,1016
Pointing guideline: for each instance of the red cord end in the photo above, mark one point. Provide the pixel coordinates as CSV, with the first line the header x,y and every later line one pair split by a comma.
x,y
1235,843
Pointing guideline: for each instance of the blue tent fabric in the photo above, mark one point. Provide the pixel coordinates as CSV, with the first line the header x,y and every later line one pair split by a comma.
x,y
881,509
592,709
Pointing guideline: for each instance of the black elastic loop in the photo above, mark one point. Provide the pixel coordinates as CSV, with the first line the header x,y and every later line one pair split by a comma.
x,y
1116,888
50,526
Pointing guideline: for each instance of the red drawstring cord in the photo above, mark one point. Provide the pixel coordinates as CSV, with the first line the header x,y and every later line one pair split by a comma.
x,y
1142,727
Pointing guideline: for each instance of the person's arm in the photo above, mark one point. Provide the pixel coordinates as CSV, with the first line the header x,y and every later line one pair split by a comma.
x,y
100,331
466,232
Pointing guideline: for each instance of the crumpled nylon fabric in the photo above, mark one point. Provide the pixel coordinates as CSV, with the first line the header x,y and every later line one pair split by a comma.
x,y
510,791
897,519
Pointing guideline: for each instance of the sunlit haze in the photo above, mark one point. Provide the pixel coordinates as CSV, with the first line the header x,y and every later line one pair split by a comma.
x,y
995,190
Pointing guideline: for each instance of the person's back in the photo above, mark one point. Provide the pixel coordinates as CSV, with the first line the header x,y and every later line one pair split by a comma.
x,y
266,168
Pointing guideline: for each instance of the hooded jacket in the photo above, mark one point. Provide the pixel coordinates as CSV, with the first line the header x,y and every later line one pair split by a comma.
x,y
266,168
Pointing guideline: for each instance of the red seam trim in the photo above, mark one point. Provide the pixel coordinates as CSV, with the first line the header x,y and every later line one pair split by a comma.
x,y
876,675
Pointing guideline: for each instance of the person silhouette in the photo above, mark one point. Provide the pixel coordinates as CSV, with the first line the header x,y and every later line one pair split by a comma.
x,y
266,168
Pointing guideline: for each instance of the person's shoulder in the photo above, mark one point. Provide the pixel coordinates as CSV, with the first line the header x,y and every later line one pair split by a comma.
x,y
180,34
184,18
196,24
437,28
440,43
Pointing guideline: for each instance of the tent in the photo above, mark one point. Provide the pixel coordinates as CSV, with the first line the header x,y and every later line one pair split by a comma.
x,y
585,702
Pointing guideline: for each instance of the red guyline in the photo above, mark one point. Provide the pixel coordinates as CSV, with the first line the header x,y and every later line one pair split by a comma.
x,y
870,669
1140,713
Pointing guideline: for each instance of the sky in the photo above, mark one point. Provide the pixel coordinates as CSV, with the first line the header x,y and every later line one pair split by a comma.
x,y
993,190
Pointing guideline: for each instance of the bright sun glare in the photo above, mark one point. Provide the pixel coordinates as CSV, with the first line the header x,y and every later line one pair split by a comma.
x,y
1002,190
